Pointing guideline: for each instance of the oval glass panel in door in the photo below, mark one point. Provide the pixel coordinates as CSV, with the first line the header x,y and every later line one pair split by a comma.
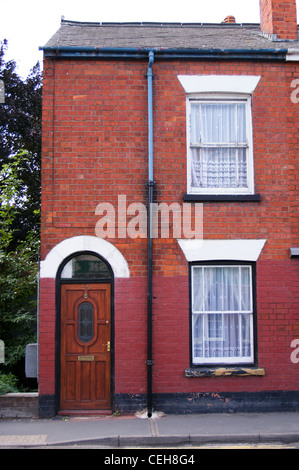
x,y
85,322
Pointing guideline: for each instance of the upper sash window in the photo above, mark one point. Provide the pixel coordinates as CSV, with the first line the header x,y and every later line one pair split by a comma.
x,y
219,134
220,147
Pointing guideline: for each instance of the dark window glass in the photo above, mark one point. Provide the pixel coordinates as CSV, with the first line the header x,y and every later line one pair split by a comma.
x,y
85,322
86,267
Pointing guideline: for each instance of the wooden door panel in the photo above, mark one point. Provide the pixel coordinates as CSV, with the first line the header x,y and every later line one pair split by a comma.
x,y
70,379
85,357
85,391
101,377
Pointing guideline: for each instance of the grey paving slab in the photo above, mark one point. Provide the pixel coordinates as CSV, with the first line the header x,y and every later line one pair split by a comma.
x,y
206,424
161,431
74,429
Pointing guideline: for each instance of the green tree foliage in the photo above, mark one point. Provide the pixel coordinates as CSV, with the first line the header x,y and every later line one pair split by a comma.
x,y
20,150
20,129
18,273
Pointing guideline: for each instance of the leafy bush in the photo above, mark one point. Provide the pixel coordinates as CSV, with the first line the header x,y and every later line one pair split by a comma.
x,y
8,384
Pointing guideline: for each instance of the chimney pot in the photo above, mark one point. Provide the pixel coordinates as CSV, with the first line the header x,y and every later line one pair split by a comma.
x,y
229,19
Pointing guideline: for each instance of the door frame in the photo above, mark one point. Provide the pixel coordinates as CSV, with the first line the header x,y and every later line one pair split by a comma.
x,y
59,282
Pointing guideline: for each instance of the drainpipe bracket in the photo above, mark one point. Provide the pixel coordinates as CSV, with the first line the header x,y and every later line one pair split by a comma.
x,y
149,363
150,75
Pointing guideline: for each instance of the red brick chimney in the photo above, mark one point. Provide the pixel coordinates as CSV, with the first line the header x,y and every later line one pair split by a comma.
x,y
279,18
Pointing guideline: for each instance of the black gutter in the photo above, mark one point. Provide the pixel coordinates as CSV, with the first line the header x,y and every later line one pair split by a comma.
x,y
142,53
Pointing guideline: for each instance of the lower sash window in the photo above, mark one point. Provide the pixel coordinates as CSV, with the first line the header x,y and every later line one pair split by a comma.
x,y
222,314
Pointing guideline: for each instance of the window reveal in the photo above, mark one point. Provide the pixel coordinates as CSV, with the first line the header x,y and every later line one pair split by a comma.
x,y
220,153
222,314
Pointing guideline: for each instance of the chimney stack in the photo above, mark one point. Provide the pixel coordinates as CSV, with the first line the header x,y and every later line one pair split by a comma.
x,y
279,19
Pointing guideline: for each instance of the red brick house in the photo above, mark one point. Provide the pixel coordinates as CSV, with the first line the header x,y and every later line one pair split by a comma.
x,y
199,122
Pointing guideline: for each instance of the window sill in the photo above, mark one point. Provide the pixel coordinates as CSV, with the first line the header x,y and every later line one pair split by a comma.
x,y
222,197
225,371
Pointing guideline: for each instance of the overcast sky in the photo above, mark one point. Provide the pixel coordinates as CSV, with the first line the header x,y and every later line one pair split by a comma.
x,y
28,24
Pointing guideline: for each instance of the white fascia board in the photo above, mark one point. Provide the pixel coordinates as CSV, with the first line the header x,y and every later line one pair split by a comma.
x,y
212,250
292,55
242,84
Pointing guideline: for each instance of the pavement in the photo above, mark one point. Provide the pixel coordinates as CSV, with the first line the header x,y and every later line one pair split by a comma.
x,y
160,430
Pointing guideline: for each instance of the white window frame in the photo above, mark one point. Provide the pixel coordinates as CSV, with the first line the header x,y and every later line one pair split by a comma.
x,y
224,98
221,360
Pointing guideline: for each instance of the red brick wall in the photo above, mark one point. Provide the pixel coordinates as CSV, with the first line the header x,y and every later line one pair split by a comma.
x,y
100,141
47,325
95,148
279,17
277,324
130,349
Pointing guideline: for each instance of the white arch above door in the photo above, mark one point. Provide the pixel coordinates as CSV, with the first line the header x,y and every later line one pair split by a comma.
x,y
69,246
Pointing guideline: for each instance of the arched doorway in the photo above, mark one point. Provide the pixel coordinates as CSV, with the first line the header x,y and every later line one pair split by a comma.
x,y
85,326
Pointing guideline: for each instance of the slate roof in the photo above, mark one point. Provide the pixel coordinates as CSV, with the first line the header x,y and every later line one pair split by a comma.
x,y
164,36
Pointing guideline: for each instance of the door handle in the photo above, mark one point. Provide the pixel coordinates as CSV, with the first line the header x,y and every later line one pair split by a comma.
x,y
108,346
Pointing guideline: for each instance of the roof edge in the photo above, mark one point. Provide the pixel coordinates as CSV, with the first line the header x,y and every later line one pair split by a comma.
x,y
156,23
60,52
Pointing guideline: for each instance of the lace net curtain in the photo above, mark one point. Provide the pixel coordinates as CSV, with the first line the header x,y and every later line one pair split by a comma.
x,y
213,125
222,314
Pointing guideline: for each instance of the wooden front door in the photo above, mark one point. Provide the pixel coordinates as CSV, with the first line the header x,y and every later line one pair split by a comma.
x,y
85,380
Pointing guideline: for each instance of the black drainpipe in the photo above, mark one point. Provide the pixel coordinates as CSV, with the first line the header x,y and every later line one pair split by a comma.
x,y
150,191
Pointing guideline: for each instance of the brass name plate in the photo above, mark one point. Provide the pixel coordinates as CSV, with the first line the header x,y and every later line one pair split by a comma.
x,y
85,358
